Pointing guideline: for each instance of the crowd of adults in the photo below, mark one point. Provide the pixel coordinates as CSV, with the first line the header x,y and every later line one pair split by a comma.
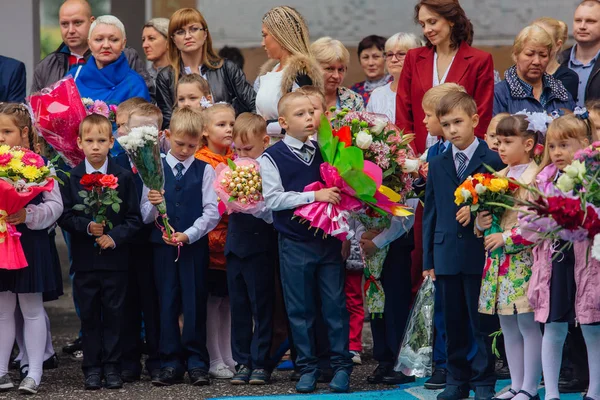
x,y
398,71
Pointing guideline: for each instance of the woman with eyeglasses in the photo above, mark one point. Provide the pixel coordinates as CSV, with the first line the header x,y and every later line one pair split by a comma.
x,y
334,58
191,51
446,57
383,99
371,57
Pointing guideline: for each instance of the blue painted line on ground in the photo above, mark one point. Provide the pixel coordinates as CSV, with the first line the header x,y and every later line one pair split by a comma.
x,y
413,391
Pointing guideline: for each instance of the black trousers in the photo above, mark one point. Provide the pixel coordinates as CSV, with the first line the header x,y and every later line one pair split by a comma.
x,y
396,281
141,304
251,287
460,297
101,295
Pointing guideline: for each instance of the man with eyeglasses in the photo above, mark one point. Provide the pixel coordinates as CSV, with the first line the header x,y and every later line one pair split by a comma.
x,y
75,18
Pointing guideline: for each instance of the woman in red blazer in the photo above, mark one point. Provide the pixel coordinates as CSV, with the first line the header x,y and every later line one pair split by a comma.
x,y
449,35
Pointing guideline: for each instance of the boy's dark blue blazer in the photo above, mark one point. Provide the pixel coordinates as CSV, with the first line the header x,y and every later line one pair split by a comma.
x,y
86,256
448,247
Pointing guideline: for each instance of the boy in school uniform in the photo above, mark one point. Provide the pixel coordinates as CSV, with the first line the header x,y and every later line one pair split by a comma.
x,y
452,252
311,266
251,252
180,263
100,255
141,300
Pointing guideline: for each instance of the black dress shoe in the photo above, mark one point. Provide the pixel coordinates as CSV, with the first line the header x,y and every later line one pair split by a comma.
x,y
93,382
199,377
511,391
378,374
484,393
72,347
453,392
167,377
397,378
51,363
575,385
437,380
113,380
130,376
326,376
536,397
155,374
295,376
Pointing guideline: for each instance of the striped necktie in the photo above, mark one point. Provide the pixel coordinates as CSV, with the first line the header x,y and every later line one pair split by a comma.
x,y
462,164
179,167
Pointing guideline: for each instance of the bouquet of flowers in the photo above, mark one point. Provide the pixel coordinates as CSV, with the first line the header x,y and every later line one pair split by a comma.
x,y
100,107
240,183
142,147
57,114
484,192
416,353
99,193
23,176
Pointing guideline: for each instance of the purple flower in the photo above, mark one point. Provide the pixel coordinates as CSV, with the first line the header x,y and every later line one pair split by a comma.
x,y
100,107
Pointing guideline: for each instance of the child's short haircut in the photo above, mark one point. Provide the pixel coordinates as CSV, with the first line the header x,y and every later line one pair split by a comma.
x,y
434,95
129,105
456,100
286,99
496,119
248,124
95,121
314,91
593,105
148,110
196,79
186,121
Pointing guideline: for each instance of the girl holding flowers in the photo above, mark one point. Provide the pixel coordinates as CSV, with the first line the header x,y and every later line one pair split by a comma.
x,y
39,276
565,288
217,138
505,276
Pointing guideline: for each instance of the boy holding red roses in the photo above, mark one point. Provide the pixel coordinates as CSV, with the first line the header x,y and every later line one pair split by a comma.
x,y
100,250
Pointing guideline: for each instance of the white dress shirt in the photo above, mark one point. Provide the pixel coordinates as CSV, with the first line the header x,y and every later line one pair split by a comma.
x,y
398,227
469,151
276,197
44,215
383,101
210,213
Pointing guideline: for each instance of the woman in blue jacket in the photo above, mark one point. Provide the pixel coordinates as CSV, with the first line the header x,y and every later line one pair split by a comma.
x,y
527,86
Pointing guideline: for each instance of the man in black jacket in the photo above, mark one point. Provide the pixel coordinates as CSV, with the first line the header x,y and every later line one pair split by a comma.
x,y
583,57
75,18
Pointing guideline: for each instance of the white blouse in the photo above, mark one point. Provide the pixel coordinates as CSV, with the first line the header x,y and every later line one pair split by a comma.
x,y
383,101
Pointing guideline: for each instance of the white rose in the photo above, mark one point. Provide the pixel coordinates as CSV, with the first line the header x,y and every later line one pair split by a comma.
x,y
363,140
565,183
576,170
596,248
480,189
378,126
465,194
410,166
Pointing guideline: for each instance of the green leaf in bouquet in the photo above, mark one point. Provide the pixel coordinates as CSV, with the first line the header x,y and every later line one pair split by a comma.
x,y
327,142
116,207
231,164
388,172
110,224
360,182
231,198
107,200
79,207
83,193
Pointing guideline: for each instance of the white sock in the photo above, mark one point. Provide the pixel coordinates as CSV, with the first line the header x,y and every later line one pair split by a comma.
x,y
532,357
49,350
225,333
591,335
213,322
22,357
513,344
34,332
552,347
8,303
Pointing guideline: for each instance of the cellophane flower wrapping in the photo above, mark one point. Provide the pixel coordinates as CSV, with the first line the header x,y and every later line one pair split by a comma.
x,y
416,352
239,186
58,112
142,147
331,219
23,176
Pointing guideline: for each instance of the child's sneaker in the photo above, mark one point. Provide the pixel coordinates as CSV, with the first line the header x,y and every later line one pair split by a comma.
x,y
221,371
356,357
6,383
260,377
242,375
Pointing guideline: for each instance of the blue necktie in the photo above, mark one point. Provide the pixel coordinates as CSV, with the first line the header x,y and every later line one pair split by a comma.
x,y
462,165
179,167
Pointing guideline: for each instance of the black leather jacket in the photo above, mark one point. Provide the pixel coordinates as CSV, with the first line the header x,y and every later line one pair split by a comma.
x,y
227,84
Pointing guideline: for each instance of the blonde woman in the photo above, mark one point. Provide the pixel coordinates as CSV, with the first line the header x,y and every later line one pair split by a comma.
x,y
559,31
527,85
290,66
383,99
191,51
334,58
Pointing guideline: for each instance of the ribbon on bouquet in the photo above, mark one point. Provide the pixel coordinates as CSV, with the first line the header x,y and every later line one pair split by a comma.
x,y
341,220
165,230
7,228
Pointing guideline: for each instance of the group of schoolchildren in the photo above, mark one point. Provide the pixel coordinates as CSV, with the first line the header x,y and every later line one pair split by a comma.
x,y
206,295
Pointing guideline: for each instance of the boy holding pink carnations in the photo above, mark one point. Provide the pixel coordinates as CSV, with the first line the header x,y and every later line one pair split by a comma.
x,y
100,250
